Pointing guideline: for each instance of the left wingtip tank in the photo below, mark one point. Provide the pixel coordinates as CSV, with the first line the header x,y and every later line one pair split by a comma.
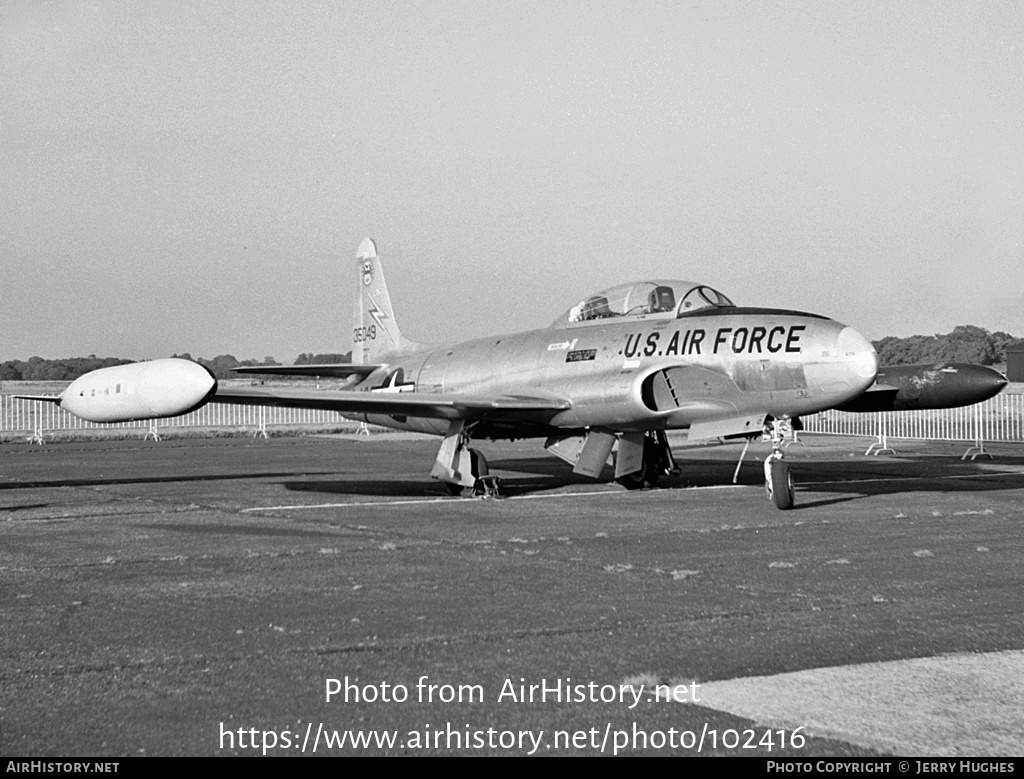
x,y
140,390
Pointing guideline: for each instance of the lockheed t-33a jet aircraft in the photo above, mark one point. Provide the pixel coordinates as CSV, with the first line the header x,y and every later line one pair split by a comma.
x,y
602,384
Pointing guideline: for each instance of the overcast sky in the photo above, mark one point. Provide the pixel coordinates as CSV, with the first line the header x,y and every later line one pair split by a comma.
x,y
197,176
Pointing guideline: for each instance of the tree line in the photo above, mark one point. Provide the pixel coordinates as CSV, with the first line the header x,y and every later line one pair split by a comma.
x,y
69,369
966,343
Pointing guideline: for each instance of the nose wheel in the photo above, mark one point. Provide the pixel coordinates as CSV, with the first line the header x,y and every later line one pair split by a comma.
x,y
778,481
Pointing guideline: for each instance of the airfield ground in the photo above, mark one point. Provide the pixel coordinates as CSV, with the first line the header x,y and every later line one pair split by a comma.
x,y
193,597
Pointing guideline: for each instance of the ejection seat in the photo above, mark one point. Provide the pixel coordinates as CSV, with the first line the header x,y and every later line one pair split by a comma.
x,y
661,299
597,308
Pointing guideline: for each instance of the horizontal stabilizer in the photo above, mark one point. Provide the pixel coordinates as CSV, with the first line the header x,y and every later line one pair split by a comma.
x,y
327,370
503,408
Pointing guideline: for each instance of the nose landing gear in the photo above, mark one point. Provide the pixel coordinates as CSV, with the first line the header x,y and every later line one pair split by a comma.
x,y
778,481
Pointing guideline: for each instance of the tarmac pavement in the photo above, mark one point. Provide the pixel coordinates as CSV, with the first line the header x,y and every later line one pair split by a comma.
x,y
226,596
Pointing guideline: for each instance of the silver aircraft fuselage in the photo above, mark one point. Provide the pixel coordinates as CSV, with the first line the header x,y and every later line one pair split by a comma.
x,y
648,372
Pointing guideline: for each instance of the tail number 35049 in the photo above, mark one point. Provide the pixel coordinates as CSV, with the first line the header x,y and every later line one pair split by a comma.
x,y
368,333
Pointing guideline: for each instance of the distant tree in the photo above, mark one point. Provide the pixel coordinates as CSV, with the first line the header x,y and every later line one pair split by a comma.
x,y
322,359
966,343
1002,341
66,369
9,371
53,371
221,366
903,351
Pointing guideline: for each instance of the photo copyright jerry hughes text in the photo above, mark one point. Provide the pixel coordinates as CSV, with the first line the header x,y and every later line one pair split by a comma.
x,y
885,766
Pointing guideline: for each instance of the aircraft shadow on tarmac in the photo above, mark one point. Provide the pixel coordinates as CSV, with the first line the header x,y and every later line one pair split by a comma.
x,y
222,529
864,478
25,507
423,488
854,478
517,477
192,477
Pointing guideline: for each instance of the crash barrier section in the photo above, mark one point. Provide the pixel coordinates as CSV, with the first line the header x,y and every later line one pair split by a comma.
x,y
37,418
999,419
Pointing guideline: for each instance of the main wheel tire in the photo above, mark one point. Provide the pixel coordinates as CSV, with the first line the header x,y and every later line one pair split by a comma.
x,y
638,480
780,485
634,480
651,477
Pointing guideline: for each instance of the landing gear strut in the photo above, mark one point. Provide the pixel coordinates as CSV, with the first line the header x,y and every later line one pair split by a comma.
x,y
777,480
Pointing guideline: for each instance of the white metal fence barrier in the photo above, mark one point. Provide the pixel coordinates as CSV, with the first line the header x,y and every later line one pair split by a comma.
x,y
36,418
998,419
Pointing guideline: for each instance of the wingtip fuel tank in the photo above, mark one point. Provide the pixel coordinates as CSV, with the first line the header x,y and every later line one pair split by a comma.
x,y
928,386
142,390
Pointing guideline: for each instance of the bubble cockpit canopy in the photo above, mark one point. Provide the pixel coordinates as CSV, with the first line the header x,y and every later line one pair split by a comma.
x,y
645,299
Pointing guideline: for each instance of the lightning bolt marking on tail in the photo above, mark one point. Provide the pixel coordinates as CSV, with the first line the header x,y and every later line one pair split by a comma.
x,y
376,313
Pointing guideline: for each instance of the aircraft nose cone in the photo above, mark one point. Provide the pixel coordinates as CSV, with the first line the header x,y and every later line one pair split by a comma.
x,y
858,355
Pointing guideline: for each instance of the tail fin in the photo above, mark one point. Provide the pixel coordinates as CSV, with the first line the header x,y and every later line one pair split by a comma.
x,y
374,330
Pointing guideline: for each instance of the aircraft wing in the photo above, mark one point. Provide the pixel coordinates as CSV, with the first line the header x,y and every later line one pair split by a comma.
x,y
324,370
506,408
46,398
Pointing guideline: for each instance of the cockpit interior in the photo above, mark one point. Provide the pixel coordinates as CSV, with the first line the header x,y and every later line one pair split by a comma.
x,y
645,299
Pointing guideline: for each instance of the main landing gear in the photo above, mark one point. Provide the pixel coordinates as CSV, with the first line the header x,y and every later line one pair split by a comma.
x,y
484,485
651,451
778,481
463,470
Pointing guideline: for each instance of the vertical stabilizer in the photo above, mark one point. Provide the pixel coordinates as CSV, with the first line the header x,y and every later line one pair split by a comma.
x,y
374,331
